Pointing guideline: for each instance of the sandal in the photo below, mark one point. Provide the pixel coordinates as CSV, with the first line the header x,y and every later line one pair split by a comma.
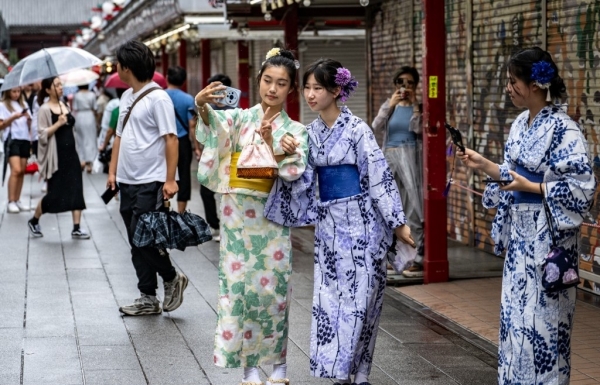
x,y
285,381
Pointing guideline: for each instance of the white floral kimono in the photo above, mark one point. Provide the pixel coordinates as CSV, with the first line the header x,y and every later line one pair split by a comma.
x,y
255,264
535,325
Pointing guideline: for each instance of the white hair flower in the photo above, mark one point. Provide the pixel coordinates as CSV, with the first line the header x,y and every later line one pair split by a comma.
x,y
273,52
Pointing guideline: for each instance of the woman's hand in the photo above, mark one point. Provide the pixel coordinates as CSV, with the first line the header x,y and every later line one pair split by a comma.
x,y
289,144
207,95
471,158
395,99
266,128
403,234
520,183
62,120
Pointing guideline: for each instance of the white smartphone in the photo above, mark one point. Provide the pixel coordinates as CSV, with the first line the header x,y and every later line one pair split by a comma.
x,y
231,97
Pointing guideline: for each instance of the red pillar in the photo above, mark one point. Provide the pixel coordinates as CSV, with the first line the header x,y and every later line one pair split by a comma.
x,y
205,62
434,141
164,59
244,73
182,53
291,43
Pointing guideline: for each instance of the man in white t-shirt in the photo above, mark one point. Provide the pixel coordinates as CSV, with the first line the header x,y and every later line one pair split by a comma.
x,y
144,163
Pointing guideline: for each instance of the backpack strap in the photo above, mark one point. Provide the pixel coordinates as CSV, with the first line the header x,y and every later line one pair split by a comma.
x,y
135,102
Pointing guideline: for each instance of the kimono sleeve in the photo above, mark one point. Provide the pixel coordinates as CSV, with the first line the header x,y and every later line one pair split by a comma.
x,y
570,197
293,166
217,140
492,195
376,177
293,203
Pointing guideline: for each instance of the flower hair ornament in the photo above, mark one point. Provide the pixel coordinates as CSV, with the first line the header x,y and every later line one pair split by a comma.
x,y
276,52
542,74
346,81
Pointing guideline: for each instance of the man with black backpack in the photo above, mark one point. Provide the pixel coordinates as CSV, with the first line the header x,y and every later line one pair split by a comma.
x,y
183,103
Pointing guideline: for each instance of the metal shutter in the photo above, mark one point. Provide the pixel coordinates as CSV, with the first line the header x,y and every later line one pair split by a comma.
x,y
499,28
458,99
571,40
353,55
230,61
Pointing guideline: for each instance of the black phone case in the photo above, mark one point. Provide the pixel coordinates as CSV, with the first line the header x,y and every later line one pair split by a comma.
x,y
456,137
109,194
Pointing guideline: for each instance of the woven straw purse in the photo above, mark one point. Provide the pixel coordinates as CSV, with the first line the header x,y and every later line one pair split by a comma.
x,y
257,161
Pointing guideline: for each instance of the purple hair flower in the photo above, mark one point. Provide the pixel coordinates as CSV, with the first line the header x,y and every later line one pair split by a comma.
x,y
348,84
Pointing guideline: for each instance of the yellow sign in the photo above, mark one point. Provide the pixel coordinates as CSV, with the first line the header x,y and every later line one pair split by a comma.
x,y
433,87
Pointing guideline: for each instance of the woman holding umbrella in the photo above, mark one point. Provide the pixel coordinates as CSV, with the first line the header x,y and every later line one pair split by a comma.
x,y
15,121
59,162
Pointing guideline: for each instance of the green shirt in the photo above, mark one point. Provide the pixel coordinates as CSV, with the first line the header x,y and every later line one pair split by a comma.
x,y
114,119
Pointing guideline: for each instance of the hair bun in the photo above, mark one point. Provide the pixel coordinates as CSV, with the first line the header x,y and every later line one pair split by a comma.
x,y
287,54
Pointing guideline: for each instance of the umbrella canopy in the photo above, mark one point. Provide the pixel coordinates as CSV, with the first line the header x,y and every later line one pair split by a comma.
x,y
46,63
171,230
78,77
114,81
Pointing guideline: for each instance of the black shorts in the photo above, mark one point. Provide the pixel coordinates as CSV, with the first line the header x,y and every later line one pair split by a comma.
x,y
20,148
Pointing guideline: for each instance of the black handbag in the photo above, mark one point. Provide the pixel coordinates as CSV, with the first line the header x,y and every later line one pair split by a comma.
x,y
560,270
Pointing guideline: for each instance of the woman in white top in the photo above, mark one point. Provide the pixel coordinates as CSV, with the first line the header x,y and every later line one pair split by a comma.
x,y
86,133
15,122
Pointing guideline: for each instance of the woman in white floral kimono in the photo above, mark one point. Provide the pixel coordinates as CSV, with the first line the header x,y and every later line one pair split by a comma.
x,y
255,264
546,153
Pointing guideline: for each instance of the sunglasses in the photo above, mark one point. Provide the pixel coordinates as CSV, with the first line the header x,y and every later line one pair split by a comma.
x,y
404,82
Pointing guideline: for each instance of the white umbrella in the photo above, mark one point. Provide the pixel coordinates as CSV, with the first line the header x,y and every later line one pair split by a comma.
x,y
46,63
78,77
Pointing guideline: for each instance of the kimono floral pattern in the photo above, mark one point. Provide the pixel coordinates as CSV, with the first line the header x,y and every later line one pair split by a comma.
x,y
255,262
352,237
535,325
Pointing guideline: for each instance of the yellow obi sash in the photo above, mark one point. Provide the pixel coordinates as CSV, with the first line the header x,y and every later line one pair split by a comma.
x,y
263,185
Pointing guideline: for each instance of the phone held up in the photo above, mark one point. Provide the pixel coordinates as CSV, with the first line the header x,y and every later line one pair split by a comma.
x,y
231,97
456,137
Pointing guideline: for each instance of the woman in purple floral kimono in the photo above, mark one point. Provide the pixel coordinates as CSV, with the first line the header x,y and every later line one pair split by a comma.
x,y
545,156
357,211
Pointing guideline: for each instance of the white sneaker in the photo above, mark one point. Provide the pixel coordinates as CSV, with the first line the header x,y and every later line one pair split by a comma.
x,y
13,208
23,207
216,235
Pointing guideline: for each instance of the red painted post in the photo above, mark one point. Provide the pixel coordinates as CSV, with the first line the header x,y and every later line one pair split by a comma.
x,y
182,53
434,141
244,73
291,43
164,59
205,62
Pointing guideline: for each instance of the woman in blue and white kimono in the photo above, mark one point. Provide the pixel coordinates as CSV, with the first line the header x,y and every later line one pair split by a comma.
x,y
546,153
356,214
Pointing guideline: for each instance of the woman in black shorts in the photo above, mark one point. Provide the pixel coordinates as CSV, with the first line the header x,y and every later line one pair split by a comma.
x,y
15,122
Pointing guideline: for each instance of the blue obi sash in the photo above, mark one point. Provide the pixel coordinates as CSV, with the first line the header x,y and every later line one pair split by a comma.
x,y
336,182
527,197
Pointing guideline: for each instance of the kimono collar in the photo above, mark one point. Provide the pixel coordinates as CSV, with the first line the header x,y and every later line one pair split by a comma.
x,y
543,112
341,120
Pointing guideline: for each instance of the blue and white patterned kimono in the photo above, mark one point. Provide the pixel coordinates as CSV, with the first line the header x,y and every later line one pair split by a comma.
x,y
352,236
535,325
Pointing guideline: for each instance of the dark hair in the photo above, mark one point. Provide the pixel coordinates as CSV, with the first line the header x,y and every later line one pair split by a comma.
x,y
120,92
138,58
412,71
42,94
324,71
83,87
224,79
286,59
521,63
176,76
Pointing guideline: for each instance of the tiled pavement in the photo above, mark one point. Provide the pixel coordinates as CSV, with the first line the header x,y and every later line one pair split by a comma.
x,y
473,305
59,322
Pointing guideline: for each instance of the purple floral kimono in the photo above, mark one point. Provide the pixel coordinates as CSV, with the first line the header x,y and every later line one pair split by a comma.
x,y
352,237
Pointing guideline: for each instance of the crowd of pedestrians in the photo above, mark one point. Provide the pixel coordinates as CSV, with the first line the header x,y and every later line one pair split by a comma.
x,y
362,199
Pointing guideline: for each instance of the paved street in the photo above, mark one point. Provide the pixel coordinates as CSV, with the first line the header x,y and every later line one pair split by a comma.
x,y
59,323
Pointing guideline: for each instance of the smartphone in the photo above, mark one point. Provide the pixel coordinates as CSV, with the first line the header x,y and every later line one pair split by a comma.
x,y
231,97
456,137
109,194
24,110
